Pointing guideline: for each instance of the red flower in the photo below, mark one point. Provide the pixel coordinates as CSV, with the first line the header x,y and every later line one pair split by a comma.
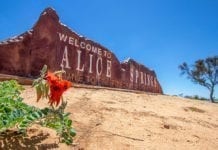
x,y
57,88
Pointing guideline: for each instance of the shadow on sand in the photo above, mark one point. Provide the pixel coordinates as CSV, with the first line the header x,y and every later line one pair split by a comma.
x,y
14,140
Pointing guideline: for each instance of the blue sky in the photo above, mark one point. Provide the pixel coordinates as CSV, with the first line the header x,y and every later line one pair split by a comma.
x,y
161,34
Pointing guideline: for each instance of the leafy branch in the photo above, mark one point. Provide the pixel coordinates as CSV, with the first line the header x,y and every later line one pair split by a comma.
x,y
16,114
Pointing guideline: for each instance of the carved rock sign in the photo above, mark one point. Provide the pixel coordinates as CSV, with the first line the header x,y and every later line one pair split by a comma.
x,y
53,43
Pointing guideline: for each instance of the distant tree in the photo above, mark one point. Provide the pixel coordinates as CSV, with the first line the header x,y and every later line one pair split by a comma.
x,y
196,97
203,72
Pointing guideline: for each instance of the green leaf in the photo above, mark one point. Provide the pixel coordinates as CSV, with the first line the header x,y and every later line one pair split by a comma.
x,y
46,90
45,111
7,109
43,71
66,114
40,114
25,122
38,92
72,132
5,122
31,118
69,123
68,141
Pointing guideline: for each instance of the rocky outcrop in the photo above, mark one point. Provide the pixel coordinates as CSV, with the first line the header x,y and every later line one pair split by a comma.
x,y
85,61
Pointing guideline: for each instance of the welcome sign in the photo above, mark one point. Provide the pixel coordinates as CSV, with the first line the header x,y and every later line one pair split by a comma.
x,y
85,61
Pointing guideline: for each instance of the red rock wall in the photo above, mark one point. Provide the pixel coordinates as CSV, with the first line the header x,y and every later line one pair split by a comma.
x,y
137,76
53,43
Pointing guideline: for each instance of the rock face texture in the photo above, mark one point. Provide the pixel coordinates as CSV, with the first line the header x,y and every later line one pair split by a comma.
x,y
52,43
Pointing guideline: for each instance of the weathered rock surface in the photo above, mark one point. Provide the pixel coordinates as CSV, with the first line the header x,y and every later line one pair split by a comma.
x,y
85,61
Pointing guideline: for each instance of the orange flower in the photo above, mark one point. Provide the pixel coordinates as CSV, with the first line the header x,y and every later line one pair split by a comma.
x,y
51,77
57,88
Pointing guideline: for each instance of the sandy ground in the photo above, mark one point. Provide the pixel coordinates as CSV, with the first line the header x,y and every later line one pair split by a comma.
x,y
116,120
